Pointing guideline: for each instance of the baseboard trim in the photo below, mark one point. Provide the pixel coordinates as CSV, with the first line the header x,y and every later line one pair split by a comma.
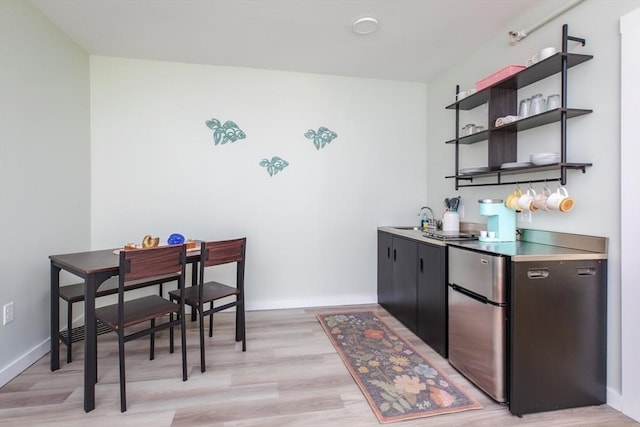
x,y
314,302
29,358
614,399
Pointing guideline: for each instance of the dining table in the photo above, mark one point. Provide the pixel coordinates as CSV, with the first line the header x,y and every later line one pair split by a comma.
x,y
94,267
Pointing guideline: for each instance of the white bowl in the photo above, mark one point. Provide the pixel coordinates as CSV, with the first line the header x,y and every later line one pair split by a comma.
x,y
540,159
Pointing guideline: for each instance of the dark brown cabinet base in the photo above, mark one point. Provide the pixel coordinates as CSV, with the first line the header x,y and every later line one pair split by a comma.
x,y
558,335
432,296
412,286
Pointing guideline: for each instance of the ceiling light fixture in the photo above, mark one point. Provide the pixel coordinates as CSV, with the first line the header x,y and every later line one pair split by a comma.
x,y
366,25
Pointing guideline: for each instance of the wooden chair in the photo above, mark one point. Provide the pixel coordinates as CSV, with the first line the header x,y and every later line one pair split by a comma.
x,y
214,254
75,293
146,265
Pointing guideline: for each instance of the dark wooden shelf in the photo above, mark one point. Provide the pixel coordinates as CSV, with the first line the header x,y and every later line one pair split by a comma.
x,y
502,142
532,74
552,116
515,171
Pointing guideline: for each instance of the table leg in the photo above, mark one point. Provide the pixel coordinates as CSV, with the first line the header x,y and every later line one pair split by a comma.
x,y
55,317
90,344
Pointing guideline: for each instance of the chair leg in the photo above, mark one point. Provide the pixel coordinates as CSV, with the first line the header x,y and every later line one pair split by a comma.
x,y
203,365
241,334
183,330
211,320
152,341
123,396
171,334
69,326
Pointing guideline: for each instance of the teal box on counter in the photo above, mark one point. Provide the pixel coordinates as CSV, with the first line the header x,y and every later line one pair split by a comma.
x,y
501,221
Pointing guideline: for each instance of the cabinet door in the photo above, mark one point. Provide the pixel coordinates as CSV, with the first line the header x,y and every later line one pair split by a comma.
x,y
405,269
558,335
432,297
385,271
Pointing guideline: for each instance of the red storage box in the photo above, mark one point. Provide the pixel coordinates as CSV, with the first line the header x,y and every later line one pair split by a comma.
x,y
507,71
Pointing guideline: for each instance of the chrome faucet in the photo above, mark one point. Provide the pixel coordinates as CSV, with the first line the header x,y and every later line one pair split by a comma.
x,y
430,222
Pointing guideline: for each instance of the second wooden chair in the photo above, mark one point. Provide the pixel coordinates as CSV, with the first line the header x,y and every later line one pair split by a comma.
x,y
214,254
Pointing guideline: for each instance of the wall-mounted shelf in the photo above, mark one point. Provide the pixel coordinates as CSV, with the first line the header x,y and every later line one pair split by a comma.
x,y
542,119
529,75
498,174
502,100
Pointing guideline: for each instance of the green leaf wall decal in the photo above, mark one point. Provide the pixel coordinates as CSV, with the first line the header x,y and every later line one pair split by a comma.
x,y
275,165
321,137
223,133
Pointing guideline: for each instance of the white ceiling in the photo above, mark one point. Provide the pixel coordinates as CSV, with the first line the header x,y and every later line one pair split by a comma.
x,y
416,39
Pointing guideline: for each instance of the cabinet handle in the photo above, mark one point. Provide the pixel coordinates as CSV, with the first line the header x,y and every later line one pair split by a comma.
x,y
421,266
394,254
585,271
388,252
538,273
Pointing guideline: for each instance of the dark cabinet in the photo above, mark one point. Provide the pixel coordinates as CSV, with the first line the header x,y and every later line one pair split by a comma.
x,y
412,286
558,340
405,254
397,274
385,271
432,296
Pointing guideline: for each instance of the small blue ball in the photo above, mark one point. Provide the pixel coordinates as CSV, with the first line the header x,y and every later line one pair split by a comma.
x,y
176,239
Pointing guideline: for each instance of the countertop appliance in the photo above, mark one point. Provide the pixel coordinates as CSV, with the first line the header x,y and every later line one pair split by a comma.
x,y
501,221
478,319
449,235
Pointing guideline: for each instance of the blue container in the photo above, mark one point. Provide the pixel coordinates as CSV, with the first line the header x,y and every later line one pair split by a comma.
x,y
500,220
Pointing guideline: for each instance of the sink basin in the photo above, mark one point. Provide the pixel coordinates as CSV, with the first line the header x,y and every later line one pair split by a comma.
x,y
408,228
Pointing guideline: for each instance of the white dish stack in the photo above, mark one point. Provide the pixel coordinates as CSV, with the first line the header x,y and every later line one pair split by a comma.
x,y
541,159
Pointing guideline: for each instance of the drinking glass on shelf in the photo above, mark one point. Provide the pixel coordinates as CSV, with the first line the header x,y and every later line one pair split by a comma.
x,y
553,102
525,108
538,104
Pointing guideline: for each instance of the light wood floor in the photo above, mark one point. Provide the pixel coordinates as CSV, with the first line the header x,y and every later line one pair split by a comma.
x,y
290,375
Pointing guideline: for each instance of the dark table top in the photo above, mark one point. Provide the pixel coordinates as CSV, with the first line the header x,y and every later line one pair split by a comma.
x,y
100,261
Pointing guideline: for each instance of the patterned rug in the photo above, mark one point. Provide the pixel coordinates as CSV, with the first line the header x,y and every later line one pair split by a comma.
x,y
398,382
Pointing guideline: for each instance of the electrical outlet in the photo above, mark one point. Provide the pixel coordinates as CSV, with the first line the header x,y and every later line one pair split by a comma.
x,y
7,313
524,216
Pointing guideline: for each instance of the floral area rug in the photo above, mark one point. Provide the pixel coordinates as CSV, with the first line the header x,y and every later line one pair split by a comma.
x,y
397,381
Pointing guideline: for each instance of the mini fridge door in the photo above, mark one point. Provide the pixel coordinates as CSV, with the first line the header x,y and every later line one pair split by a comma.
x,y
478,272
477,342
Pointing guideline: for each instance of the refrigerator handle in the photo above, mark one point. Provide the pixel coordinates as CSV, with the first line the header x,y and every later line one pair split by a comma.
x,y
470,294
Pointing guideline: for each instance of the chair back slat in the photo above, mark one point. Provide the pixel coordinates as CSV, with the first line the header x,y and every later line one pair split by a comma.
x,y
148,263
223,252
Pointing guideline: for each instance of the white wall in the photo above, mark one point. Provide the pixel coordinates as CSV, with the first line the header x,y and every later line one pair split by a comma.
x,y
630,181
44,171
593,138
311,228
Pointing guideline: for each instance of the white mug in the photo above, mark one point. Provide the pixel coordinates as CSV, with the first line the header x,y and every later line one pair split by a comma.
x,y
540,201
547,52
461,95
533,60
560,200
526,200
